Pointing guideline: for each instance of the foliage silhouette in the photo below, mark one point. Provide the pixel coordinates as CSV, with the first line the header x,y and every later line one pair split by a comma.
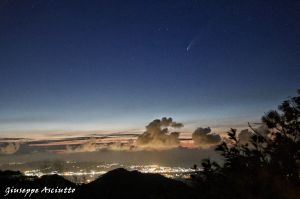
x,y
265,167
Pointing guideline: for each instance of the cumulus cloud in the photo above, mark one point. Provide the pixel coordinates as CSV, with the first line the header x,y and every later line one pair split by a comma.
x,y
158,135
203,137
264,131
9,148
244,137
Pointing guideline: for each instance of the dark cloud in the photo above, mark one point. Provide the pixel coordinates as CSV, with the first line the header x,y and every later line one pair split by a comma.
x,y
204,138
158,135
9,148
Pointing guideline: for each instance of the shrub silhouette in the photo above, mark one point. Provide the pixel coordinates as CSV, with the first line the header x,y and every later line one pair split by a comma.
x,y
265,167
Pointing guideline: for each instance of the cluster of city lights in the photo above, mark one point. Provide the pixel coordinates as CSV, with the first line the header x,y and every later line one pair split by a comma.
x,y
85,175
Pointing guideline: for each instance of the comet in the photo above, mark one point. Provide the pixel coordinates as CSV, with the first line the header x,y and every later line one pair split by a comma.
x,y
192,43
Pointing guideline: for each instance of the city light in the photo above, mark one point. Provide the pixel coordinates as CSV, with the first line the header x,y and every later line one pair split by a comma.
x,y
81,175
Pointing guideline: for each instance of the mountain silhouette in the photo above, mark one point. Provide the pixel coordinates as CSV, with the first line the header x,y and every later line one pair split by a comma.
x,y
115,184
120,183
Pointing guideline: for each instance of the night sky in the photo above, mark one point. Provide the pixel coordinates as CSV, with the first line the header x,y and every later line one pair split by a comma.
x,y
116,65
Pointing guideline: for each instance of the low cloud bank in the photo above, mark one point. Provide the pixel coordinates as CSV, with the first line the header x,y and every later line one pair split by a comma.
x,y
89,146
93,145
